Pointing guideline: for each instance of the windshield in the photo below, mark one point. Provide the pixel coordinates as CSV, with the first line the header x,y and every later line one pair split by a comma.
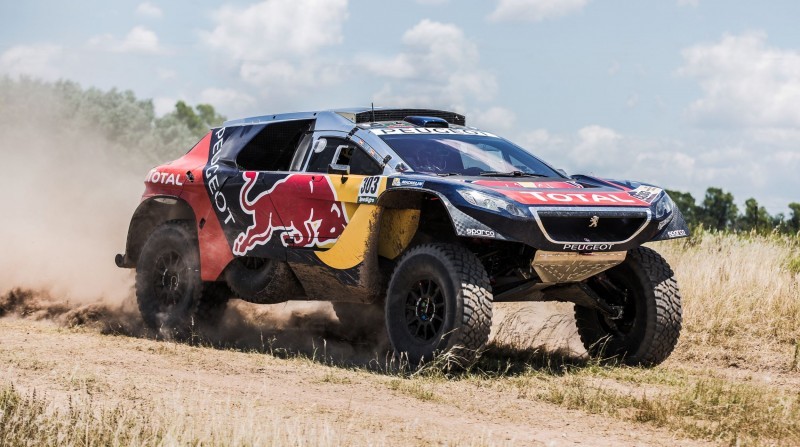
x,y
478,153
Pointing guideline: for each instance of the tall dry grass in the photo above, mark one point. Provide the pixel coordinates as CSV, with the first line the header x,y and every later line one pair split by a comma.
x,y
740,287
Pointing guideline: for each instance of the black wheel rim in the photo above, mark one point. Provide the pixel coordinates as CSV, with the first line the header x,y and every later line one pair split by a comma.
x,y
170,279
425,310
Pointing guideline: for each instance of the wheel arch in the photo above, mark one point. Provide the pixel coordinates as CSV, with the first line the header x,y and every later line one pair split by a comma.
x,y
151,213
410,217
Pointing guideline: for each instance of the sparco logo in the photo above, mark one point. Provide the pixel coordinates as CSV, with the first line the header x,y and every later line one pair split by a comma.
x,y
479,232
588,247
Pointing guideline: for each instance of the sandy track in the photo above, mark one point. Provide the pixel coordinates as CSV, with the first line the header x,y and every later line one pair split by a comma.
x,y
215,386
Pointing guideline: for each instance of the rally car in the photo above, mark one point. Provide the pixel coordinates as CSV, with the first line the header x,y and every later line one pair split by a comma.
x,y
410,210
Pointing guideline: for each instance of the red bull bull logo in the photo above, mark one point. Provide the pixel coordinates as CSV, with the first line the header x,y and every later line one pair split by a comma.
x,y
302,208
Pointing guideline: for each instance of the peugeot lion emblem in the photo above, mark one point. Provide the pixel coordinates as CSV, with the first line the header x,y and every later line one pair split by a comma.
x,y
593,221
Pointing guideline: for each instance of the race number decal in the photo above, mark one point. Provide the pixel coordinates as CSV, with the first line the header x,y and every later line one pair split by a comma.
x,y
369,190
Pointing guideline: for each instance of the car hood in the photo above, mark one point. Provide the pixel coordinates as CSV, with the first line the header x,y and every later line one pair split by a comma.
x,y
576,191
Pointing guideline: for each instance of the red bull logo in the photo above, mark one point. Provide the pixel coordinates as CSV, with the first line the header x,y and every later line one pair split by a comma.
x,y
302,208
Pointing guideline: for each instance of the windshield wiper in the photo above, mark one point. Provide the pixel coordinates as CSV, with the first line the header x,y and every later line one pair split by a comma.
x,y
511,174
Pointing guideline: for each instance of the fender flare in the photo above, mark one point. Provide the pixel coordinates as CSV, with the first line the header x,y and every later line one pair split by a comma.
x,y
151,213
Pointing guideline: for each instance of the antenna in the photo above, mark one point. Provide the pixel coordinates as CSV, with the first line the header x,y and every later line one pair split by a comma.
x,y
373,112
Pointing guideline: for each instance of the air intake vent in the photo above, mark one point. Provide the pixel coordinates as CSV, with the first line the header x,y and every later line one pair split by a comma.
x,y
401,114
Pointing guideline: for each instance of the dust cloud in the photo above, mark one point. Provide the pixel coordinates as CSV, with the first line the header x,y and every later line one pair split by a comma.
x,y
68,197
70,191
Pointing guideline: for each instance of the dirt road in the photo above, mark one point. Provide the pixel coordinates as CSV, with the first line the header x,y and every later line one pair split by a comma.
x,y
209,389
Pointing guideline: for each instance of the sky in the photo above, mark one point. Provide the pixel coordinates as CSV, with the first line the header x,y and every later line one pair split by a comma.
x,y
685,94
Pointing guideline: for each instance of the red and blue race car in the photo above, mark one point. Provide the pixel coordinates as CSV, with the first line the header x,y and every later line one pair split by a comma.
x,y
410,210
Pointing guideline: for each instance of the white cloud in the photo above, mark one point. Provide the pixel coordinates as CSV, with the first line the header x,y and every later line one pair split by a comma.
x,y
138,40
226,99
277,28
535,10
438,67
276,45
148,9
745,83
493,119
39,61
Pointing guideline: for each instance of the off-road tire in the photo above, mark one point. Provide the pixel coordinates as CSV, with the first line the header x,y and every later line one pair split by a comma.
x,y
171,296
460,318
651,321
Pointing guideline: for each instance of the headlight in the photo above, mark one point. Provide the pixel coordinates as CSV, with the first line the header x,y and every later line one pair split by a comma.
x,y
664,206
489,202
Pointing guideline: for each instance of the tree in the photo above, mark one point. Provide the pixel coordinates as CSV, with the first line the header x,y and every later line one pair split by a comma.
x,y
199,119
794,218
687,205
755,217
718,210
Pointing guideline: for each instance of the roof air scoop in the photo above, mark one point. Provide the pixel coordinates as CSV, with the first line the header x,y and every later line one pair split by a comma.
x,y
426,121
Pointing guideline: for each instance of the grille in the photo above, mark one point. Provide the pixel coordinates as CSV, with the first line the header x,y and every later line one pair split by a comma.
x,y
400,114
578,226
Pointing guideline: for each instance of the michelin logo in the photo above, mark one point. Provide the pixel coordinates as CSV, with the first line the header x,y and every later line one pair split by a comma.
x,y
403,182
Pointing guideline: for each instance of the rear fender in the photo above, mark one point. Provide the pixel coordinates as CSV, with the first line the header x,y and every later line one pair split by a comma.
x,y
151,213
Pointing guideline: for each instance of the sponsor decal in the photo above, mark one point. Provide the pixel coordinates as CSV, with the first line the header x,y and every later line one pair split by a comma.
x,y
663,223
593,221
368,193
429,131
598,246
576,198
403,182
645,193
676,233
163,178
307,224
212,182
479,232
533,185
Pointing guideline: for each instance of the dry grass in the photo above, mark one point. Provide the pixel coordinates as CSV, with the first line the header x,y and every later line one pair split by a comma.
x,y
738,286
33,419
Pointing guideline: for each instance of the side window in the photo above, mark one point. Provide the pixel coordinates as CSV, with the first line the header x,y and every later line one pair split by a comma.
x,y
345,152
322,152
274,147
363,164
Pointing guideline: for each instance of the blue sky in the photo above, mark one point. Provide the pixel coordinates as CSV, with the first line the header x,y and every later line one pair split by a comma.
x,y
682,93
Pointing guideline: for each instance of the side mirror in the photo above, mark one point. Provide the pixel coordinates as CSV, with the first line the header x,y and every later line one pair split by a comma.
x,y
334,168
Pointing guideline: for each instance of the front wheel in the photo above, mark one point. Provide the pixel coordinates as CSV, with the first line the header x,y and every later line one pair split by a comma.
x,y
439,301
644,286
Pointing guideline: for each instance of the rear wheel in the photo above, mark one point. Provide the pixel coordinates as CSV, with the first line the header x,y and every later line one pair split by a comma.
x,y
439,300
645,287
171,296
